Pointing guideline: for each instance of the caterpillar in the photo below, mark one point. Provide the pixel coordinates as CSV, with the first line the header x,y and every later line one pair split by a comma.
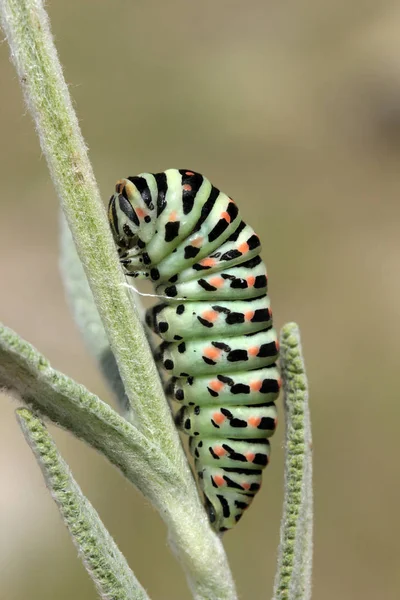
x,y
178,230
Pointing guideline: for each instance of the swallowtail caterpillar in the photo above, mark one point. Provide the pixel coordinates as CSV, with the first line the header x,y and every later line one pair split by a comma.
x,y
219,346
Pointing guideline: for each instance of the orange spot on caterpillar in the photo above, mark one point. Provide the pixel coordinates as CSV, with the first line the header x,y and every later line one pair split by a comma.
x,y
197,242
173,216
219,481
226,217
255,386
140,213
243,248
279,382
217,282
250,280
219,451
210,315
208,262
277,345
218,418
253,351
249,315
216,385
245,486
189,173
187,187
250,456
276,422
211,352
254,421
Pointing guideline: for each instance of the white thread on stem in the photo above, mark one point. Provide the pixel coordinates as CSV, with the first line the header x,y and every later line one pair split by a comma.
x,y
132,287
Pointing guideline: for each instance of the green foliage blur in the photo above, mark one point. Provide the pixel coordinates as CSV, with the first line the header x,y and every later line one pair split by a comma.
x,y
293,108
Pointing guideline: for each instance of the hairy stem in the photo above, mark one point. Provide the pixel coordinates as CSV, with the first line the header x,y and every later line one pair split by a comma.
x,y
86,316
27,28
293,578
98,551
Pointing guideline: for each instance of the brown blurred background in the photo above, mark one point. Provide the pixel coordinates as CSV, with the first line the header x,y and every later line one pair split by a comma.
x,y
294,109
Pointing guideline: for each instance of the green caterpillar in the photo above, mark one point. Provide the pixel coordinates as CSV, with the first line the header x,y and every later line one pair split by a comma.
x,y
181,232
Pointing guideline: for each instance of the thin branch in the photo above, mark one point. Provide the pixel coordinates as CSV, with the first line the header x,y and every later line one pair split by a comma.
x,y
293,578
27,28
98,551
87,317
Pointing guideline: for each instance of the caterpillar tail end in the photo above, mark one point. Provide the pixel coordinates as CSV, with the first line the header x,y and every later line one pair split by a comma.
x,y
220,521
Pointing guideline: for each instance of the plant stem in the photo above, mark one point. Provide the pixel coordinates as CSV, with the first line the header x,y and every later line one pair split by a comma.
x,y
27,28
86,316
293,577
98,551
33,52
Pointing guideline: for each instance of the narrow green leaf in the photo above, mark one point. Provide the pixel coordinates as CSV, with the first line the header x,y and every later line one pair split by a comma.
x,y
70,405
100,555
293,578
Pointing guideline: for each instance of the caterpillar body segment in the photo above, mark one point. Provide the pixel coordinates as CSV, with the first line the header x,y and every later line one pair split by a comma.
x,y
237,422
213,355
244,281
219,452
259,386
201,319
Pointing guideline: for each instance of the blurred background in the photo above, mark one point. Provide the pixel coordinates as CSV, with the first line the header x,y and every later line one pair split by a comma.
x,y
293,108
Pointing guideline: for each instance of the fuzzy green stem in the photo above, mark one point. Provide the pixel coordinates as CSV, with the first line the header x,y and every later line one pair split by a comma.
x,y
293,578
98,551
87,317
27,28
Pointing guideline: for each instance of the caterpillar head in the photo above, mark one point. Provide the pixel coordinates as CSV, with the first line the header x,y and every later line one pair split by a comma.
x,y
132,221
